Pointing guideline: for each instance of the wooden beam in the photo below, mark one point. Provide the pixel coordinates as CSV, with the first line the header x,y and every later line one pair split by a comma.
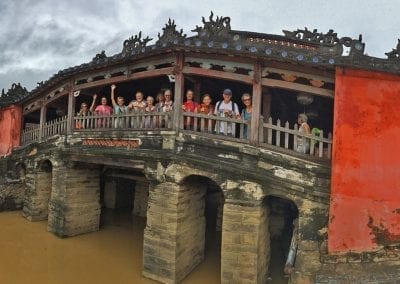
x,y
256,103
297,87
218,74
330,79
126,78
179,91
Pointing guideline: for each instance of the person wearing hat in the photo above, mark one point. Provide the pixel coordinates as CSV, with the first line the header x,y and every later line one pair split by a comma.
x,y
226,108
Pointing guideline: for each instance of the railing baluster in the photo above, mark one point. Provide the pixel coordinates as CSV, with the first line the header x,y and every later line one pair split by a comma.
x,y
278,134
241,131
195,123
202,124
295,137
321,144
269,135
287,135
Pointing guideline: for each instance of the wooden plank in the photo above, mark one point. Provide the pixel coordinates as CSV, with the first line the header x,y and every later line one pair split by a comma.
x,y
297,87
71,112
43,111
218,74
256,103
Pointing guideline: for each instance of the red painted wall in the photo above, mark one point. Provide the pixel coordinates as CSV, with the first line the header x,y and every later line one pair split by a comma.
x,y
10,128
365,190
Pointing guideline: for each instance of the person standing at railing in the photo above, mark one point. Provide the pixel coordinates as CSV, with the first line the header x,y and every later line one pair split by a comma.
x,y
139,103
189,106
150,121
205,108
303,143
119,107
168,103
228,109
102,110
84,111
160,101
246,113
137,106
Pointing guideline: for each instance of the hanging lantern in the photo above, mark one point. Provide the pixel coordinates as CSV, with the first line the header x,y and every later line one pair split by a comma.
x,y
305,98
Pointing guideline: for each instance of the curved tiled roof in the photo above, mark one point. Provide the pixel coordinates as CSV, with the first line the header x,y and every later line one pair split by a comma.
x,y
303,46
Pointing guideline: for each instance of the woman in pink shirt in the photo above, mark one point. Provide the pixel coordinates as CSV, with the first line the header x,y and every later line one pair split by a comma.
x,y
102,110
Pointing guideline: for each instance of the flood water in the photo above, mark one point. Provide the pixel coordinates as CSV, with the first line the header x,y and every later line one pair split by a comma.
x,y
30,254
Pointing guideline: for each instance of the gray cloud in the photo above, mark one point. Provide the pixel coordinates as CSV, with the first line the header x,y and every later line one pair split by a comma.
x,y
38,38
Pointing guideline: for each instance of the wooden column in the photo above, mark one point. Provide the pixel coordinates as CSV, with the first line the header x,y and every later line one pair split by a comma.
x,y
43,111
256,102
179,91
71,111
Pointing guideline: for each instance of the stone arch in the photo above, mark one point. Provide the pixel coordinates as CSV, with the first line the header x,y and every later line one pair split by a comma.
x,y
283,221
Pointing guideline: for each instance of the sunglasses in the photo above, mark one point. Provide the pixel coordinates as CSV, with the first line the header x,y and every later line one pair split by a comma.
x,y
246,100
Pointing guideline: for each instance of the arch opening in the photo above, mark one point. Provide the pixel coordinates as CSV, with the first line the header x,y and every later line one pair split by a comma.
x,y
282,218
206,200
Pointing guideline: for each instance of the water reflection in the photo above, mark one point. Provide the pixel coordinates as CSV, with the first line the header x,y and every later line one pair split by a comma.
x,y
29,254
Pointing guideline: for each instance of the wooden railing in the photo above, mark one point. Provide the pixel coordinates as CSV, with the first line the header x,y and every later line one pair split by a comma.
x,y
291,139
54,127
50,128
215,125
129,121
30,135
275,135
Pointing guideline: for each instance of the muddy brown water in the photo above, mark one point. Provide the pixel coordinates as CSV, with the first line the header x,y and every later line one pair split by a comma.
x,y
30,254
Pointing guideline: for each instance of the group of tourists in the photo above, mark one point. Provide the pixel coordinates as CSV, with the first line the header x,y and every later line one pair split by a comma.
x,y
163,103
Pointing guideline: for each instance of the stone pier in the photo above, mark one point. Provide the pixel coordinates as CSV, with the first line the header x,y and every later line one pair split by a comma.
x,y
36,201
245,242
174,235
74,207
141,198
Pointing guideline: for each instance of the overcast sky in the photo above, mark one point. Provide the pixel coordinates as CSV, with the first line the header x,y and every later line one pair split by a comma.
x,y
40,37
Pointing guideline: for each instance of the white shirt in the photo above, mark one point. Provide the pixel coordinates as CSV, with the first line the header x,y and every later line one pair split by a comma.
x,y
220,107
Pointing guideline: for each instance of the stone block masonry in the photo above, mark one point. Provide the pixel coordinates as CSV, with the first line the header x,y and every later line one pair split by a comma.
x,y
245,243
74,207
174,235
36,201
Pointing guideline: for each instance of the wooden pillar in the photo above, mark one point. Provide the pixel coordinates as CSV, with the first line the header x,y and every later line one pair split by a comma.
x,y
179,91
256,102
71,111
43,111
